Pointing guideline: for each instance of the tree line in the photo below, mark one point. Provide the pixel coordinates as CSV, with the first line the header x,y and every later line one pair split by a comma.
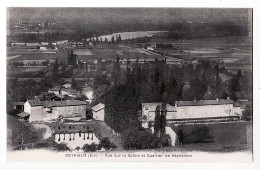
x,y
158,82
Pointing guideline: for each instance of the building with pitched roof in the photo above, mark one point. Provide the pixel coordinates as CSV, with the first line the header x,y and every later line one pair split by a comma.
x,y
98,112
52,110
204,109
195,111
148,112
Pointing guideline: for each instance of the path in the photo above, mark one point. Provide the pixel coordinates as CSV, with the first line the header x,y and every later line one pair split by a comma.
x,y
48,131
12,57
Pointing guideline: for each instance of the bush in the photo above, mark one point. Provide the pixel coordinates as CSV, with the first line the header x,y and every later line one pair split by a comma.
x,y
90,148
14,112
142,139
197,135
61,147
166,140
105,142
247,113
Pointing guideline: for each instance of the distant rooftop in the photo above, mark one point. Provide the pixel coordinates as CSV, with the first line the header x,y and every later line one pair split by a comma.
x,y
203,102
59,96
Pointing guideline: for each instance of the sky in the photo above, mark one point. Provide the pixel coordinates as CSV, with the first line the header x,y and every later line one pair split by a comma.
x,y
234,15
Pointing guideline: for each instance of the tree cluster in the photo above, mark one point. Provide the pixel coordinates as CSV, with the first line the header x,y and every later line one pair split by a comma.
x,y
160,121
134,138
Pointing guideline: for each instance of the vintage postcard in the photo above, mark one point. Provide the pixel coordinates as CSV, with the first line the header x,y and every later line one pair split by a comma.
x,y
129,84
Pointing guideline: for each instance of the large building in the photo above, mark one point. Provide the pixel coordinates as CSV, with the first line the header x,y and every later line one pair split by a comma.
x,y
204,109
64,91
148,112
52,110
193,111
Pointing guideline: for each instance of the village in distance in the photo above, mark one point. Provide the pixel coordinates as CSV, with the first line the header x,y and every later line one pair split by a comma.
x,y
107,82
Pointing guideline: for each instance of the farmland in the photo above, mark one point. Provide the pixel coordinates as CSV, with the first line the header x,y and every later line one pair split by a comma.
x,y
104,51
235,53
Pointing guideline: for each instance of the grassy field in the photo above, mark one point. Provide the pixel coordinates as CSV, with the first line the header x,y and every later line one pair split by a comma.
x,y
104,51
231,136
213,48
37,55
229,49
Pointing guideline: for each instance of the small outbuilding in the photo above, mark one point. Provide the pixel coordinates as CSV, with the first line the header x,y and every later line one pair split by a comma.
x,y
98,112
23,116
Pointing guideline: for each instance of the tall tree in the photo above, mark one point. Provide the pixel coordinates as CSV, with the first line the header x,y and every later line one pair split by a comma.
x,y
55,68
113,39
106,40
119,38
157,121
163,119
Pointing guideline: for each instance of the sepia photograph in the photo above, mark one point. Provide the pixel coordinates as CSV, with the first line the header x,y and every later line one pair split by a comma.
x,y
129,84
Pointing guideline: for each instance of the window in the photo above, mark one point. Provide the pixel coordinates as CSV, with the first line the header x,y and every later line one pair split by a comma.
x,y
49,109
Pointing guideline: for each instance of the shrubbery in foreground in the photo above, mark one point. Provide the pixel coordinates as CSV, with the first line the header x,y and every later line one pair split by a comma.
x,y
142,139
105,143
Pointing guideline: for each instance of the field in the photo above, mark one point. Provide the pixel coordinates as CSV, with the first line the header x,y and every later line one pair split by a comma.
x,y
104,51
230,136
222,47
36,55
234,52
80,52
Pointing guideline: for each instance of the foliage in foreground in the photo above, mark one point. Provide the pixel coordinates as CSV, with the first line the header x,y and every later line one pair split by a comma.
x,y
105,143
142,139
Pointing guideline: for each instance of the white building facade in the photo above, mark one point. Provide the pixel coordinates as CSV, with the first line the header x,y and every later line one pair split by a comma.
x,y
98,112
52,110
203,109
189,110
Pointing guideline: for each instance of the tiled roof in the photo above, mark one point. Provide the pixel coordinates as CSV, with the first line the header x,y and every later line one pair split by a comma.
x,y
63,103
55,88
35,103
23,114
59,96
151,104
56,103
169,107
203,102
98,107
